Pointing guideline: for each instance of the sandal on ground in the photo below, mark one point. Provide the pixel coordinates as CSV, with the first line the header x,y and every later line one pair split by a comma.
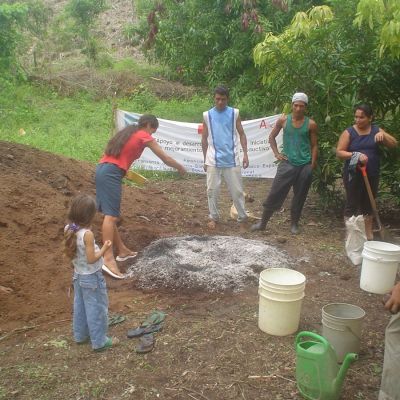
x,y
115,319
141,330
132,255
154,318
109,272
146,344
110,342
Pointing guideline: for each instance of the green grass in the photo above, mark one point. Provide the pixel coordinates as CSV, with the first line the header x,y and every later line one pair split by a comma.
x,y
142,69
78,126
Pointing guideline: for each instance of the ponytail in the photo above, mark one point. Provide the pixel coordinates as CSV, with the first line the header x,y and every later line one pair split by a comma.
x,y
80,215
69,244
118,141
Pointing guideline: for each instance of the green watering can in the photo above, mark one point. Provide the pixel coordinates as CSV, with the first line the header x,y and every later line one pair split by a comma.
x,y
318,374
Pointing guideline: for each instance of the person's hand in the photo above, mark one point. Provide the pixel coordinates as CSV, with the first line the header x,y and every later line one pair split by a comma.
x,y
379,137
393,304
245,161
280,157
181,170
107,244
205,167
313,165
363,159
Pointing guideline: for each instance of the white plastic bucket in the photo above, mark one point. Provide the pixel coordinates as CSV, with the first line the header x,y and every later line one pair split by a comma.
x,y
379,266
281,292
341,326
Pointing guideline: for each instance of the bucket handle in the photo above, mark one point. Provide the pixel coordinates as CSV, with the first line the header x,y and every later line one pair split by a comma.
x,y
313,335
371,258
346,328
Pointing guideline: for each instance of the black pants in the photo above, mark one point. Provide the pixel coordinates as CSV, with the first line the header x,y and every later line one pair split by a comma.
x,y
357,200
287,176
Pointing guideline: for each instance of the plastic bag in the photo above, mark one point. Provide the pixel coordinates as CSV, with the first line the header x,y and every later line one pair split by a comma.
x,y
355,238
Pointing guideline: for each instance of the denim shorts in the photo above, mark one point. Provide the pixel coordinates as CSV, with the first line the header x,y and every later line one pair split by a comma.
x,y
109,189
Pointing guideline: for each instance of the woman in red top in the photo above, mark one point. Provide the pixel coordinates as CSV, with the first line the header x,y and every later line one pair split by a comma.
x,y
122,150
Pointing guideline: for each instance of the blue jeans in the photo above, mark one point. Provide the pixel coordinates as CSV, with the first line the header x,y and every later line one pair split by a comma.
x,y
90,309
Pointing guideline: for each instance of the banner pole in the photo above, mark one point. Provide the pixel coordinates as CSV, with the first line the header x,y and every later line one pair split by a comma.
x,y
114,115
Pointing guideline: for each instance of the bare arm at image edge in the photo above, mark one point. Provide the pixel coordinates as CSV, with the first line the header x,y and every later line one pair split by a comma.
x,y
243,142
204,142
313,127
272,137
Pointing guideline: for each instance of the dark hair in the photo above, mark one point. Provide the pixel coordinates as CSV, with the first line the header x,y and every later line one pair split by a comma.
x,y
221,90
118,141
80,215
366,108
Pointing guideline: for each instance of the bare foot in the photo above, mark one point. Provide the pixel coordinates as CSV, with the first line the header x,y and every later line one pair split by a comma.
x,y
126,256
112,266
212,224
243,226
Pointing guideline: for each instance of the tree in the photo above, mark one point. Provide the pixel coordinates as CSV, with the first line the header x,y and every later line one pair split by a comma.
x,y
383,16
211,41
11,20
84,14
329,55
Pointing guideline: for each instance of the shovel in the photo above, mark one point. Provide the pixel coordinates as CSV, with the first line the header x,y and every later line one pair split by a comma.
x,y
135,177
382,232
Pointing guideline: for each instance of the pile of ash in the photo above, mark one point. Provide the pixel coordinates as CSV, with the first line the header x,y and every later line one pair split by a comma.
x,y
208,263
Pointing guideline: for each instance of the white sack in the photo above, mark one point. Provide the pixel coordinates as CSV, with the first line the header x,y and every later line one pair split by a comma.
x,y
355,238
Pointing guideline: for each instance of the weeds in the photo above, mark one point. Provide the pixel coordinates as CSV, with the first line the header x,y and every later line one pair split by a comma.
x,y
78,126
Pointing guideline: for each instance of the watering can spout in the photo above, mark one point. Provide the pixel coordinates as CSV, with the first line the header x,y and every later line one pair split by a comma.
x,y
350,358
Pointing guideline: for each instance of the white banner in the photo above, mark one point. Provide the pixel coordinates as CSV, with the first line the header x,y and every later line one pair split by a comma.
x,y
182,141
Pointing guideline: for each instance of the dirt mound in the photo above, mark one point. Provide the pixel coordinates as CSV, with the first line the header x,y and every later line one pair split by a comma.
x,y
36,191
210,340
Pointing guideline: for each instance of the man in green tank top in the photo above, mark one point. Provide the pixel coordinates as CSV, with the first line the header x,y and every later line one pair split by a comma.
x,y
297,160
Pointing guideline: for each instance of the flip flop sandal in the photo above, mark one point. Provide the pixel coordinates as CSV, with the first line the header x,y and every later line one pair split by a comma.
x,y
110,342
140,331
115,319
109,272
133,255
154,318
146,344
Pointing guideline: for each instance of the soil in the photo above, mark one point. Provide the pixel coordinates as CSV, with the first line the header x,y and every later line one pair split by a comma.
x,y
210,346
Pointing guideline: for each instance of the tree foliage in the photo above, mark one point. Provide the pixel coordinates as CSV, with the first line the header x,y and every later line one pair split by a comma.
x,y
11,20
84,13
328,54
384,17
22,24
211,41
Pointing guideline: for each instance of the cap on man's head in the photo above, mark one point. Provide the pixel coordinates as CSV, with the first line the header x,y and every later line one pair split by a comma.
x,y
300,97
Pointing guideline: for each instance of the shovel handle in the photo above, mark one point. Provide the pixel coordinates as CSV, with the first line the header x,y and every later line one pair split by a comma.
x,y
363,169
